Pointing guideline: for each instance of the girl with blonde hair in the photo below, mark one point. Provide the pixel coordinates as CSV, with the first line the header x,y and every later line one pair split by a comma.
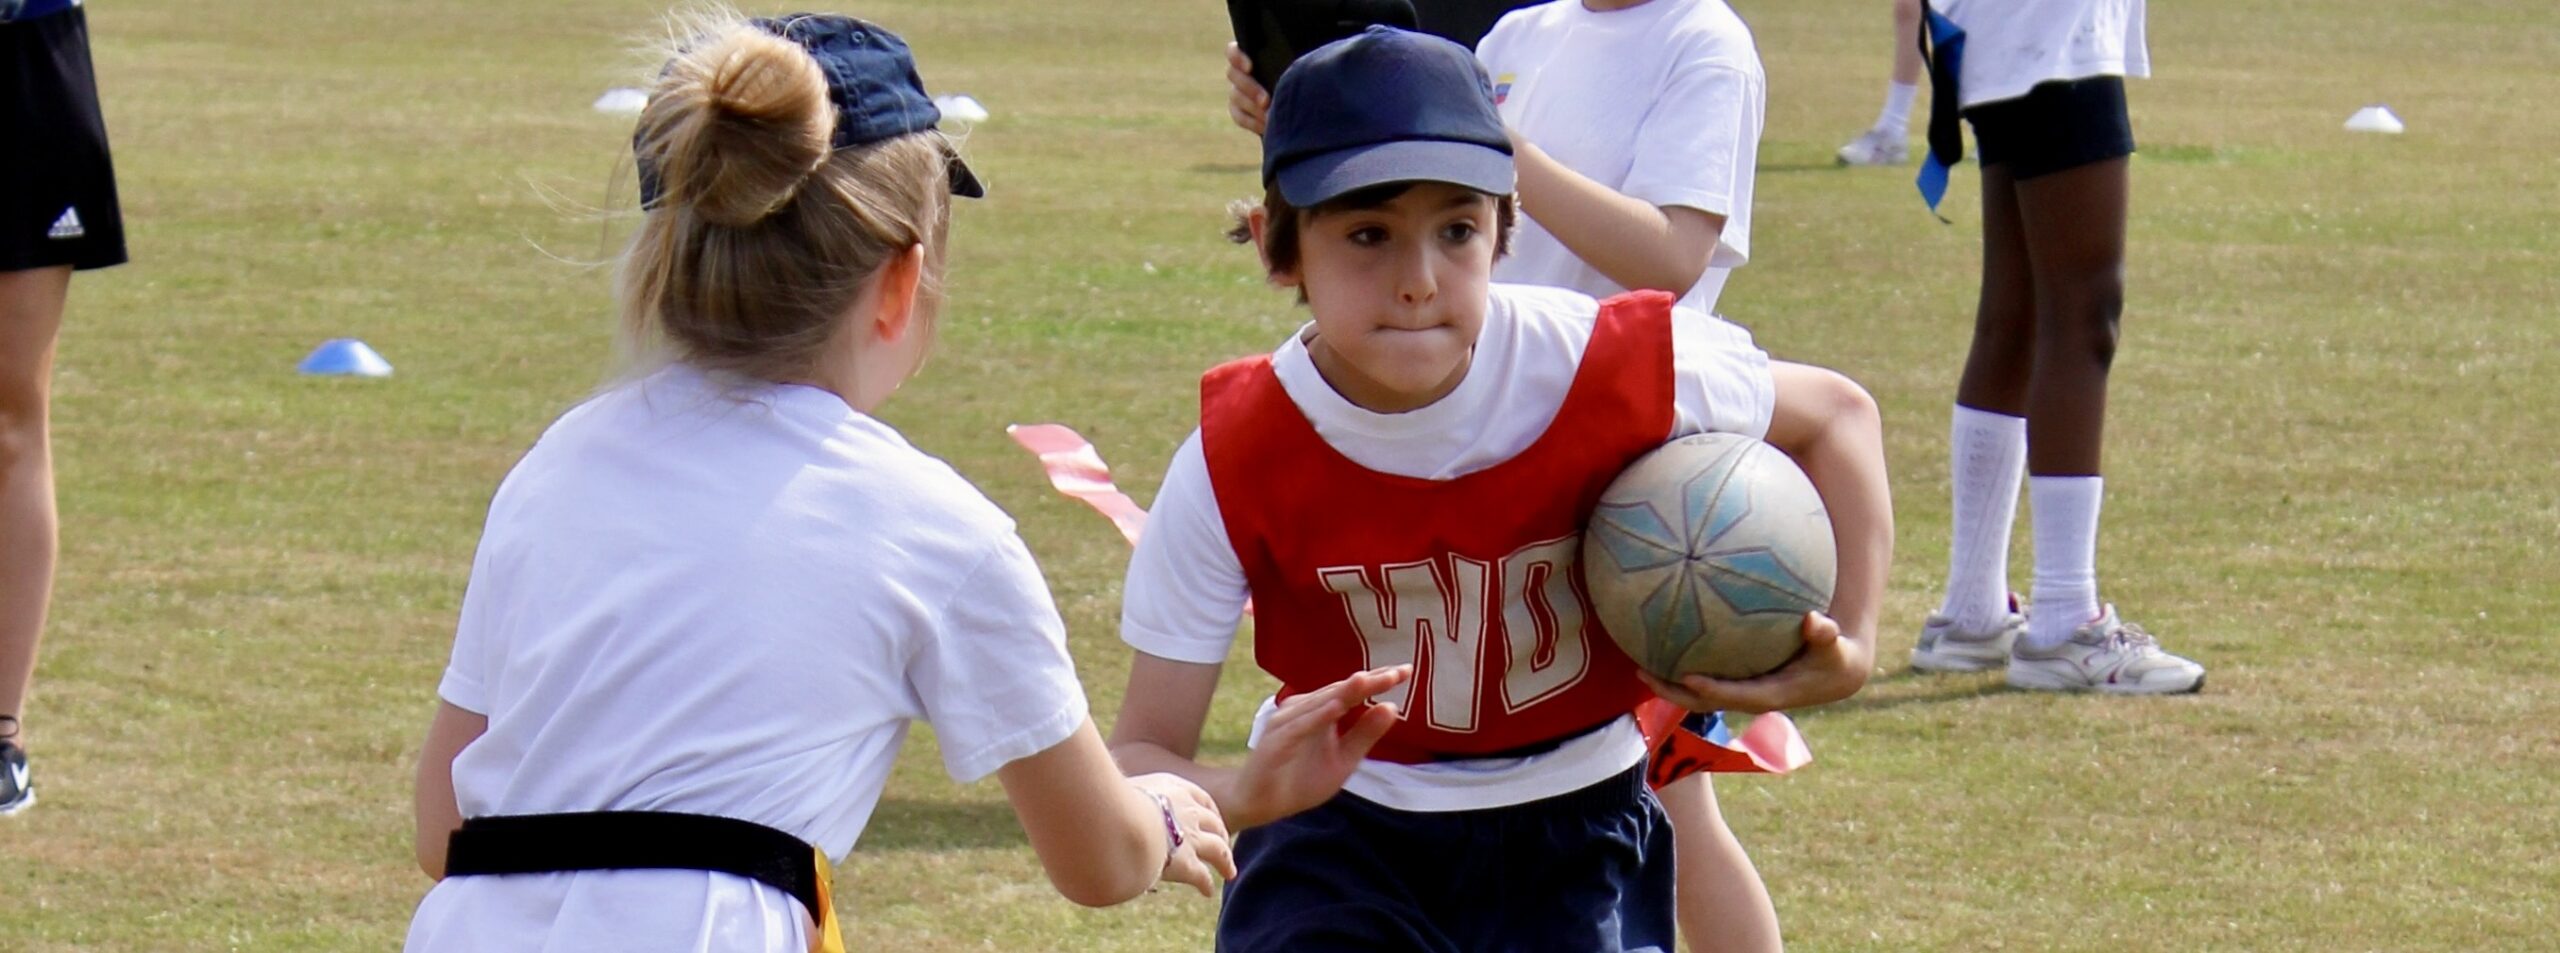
x,y
710,601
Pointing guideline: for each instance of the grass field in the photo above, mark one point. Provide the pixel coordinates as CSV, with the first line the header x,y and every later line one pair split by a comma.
x,y
2331,475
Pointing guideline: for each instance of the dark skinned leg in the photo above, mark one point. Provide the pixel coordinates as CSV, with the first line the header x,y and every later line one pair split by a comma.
x,y
1998,367
2074,225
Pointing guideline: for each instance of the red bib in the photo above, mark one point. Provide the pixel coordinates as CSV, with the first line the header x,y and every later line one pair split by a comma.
x,y
1474,580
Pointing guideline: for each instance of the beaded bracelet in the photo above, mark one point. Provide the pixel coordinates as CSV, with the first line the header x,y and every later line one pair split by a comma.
x,y
1172,830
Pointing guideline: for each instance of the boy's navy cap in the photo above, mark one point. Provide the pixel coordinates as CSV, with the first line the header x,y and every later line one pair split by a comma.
x,y
1383,105
871,81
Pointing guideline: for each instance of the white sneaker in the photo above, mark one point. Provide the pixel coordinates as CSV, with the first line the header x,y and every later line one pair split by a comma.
x,y
1876,147
1945,647
2107,655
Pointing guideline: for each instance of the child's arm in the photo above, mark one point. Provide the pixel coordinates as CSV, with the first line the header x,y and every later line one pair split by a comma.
x,y
997,683
1101,837
1723,907
1626,239
1307,750
439,815
1831,428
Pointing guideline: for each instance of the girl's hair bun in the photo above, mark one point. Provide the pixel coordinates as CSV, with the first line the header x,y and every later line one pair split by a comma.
x,y
736,124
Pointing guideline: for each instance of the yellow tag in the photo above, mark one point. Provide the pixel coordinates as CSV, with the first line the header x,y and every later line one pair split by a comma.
x,y
830,935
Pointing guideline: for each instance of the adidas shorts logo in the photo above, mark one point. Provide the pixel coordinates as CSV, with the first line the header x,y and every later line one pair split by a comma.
x,y
66,227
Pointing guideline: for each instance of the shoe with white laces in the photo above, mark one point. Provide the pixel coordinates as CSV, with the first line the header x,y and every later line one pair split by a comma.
x,y
1947,647
1876,147
2107,655
16,792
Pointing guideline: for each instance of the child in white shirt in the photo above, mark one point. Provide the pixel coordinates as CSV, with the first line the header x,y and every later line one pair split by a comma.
x,y
710,601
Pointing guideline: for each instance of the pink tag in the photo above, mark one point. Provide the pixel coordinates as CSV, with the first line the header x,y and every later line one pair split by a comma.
x,y
1077,470
1770,746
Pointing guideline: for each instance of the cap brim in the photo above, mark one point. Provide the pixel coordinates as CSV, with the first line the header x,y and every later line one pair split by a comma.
x,y
1318,179
964,183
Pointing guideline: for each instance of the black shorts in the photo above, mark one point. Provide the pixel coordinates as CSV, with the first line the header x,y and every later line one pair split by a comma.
x,y
57,188
1588,871
2064,124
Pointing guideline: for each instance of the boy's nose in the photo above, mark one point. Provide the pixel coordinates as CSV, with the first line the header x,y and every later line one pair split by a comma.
x,y
1415,285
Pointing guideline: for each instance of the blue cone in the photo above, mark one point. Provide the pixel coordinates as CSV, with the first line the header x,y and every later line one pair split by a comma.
x,y
345,357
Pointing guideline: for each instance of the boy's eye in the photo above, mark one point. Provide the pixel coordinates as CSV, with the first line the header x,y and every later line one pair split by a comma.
x,y
1368,235
1458,232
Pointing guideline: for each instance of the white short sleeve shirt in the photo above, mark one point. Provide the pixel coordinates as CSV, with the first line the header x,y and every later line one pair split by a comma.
x,y
1662,102
2012,45
729,598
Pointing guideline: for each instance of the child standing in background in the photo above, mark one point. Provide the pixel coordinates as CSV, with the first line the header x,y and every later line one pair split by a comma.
x,y
58,214
2042,82
1888,142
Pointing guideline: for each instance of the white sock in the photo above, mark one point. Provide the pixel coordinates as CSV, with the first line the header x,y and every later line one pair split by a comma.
x,y
1896,117
2066,532
1988,456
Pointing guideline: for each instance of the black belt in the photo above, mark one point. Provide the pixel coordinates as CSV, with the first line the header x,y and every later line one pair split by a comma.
x,y
635,840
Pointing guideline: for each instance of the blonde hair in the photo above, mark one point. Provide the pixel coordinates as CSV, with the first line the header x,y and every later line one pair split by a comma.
x,y
761,235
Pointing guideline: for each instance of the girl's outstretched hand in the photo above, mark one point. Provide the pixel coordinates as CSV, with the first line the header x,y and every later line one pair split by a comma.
x,y
1311,745
1199,853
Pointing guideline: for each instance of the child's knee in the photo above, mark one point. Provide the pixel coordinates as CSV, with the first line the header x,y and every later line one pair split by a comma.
x,y
2082,304
1847,401
22,422
2100,292
2083,327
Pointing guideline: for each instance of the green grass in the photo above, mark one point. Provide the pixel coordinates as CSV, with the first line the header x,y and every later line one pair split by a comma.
x,y
2330,466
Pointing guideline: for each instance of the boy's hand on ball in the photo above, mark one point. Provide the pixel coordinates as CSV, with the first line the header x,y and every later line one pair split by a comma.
x,y
1204,857
1829,668
1311,744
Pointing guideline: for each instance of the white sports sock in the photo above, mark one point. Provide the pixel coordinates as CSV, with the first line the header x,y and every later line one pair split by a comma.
x,y
1896,117
1988,456
2065,522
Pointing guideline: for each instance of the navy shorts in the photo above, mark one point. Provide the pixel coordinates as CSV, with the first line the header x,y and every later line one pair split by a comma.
x,y
57,188
1589,871
2056,126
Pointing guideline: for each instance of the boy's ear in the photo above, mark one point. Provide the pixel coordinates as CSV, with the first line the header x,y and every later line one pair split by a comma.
x,y
1258,219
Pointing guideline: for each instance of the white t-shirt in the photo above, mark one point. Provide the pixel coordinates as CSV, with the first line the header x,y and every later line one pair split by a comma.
x,y
1661,102
1186,588
2012,45
728,598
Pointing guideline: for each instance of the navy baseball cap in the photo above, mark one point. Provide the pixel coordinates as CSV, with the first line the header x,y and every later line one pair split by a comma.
x,y
1383,105
871,81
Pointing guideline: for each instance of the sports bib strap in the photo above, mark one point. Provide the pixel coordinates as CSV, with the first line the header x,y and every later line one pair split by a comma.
x,y
648,840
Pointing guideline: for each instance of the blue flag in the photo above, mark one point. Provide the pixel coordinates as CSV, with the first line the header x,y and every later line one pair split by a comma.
x,y
1942,43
